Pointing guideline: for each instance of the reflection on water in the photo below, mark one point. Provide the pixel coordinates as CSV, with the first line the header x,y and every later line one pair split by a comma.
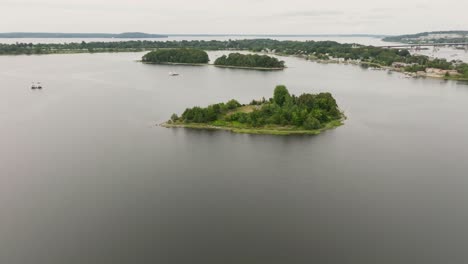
x,y
86,176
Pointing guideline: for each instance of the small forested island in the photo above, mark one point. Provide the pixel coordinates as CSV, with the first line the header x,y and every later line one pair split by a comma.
x,y
182,56
284,114
249,61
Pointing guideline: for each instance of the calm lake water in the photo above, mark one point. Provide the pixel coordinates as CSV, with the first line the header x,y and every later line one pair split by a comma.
x,y
87,177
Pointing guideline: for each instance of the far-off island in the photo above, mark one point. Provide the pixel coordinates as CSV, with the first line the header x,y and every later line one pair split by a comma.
x,y
284,114
188,56
176,56
249,61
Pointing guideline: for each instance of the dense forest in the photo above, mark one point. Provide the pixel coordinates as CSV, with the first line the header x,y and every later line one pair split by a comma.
x,y
309,49
306,112
249,60
176,56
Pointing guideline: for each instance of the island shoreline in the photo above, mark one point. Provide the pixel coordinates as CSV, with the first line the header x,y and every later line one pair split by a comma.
x,y
276,131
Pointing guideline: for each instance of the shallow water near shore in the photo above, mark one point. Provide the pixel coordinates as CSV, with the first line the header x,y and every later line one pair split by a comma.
x,y
87,176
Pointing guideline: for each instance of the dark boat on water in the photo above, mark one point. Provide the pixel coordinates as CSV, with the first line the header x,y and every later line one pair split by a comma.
x,y
36,86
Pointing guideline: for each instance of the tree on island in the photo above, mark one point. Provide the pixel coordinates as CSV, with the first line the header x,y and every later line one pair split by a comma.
x,y
311,122
174,117
281,95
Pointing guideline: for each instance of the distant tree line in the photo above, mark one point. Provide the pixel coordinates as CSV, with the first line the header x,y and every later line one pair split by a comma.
x,y
249,60
415,38
80,35
307,111
182,55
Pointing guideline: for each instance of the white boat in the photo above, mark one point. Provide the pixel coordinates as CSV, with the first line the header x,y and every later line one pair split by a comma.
x,y
173,74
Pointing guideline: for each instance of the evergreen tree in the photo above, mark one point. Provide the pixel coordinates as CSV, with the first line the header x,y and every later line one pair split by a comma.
x,y
281,95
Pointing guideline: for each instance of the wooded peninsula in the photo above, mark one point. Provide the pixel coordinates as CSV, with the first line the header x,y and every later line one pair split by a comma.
x,y
284,114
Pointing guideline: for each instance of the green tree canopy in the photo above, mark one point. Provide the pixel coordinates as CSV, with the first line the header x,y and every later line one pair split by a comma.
x,y
176,56
281,95
249,60
308,111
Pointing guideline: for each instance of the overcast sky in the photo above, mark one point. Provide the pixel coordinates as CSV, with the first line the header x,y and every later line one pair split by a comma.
x,y
234,16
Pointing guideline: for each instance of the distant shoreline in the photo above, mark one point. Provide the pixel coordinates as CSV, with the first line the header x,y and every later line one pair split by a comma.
x,y
410,64
148,35
125,35
383,67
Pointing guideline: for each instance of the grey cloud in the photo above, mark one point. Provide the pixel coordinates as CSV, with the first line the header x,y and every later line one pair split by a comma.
x,y
241,16
393,9
386,9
